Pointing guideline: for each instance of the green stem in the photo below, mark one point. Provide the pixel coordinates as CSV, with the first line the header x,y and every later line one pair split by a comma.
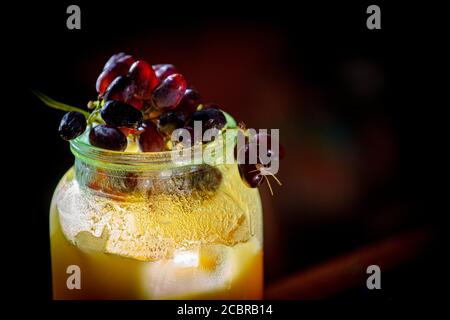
x,y
58,105
95,116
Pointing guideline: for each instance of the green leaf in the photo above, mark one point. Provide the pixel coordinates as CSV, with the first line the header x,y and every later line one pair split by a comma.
x,y
56,104
231,123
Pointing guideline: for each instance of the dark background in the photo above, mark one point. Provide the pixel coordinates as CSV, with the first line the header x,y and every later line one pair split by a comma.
x,y
344,97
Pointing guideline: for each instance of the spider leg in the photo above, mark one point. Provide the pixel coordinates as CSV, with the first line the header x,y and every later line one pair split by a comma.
x,y
268,184
267,172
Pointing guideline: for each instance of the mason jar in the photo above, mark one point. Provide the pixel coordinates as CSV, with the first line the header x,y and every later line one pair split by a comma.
x,y
127,225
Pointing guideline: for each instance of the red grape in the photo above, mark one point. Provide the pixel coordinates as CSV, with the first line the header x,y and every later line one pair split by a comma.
x,y
170,92
162,71
105,78
119,58
150,140
117,65
144,77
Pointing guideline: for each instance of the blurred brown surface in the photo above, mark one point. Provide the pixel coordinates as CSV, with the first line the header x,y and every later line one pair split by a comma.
x,y
335,276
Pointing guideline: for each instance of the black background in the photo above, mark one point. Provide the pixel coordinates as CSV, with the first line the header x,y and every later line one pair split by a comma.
x,y
47,56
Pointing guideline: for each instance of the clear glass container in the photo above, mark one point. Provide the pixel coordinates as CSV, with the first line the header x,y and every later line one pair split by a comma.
x,y
140,226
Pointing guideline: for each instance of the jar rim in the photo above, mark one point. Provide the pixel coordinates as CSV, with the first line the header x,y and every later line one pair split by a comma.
x,y
83,150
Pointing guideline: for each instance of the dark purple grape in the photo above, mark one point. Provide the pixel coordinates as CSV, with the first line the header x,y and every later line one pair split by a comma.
x,y
188,104
251,177
123,89
150,140
120,114
170,92
249,172
144,78
107,137
169,121
210,118
162,71
72,125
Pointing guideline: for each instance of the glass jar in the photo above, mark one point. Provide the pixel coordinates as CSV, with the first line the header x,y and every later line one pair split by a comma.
x,y
129,225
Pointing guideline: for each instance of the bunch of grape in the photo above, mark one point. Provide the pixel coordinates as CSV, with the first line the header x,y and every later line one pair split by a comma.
x,y
145,101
